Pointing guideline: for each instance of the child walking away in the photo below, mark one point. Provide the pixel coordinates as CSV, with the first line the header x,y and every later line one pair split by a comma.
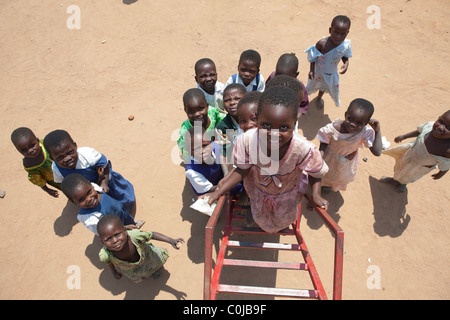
x,y
275,163
197,110
206,78
36,159
430,151
340,142
248,72
324,57
93,204
130,252
94,166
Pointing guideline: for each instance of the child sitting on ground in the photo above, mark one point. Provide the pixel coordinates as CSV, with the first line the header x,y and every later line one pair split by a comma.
x,y
324,57
206,78
287,65
93,204
248,72
36,159
197,110
130,252
430,151
204,170
94,166
340,142
275,163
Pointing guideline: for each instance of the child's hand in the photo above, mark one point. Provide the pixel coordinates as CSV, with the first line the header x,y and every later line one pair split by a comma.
x,y
117,274
344,67
176,243
318,201
399,139
213,196
311,75
375,124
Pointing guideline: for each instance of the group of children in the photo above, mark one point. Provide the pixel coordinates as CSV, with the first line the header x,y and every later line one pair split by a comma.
x,y
104,197
241,137
255,123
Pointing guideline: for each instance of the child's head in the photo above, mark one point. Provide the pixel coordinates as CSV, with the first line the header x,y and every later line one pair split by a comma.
x,y
288,65
231,96
26,142
340,27
277,115
247,109
112,232
206,74
289,82
196,107
198,143
61,148
249,64
441,127
358,115
80,191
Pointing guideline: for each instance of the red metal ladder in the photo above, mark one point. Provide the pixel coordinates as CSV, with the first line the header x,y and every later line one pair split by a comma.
x,y
212,286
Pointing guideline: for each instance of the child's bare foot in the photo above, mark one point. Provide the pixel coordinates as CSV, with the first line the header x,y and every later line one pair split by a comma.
x,y
320,103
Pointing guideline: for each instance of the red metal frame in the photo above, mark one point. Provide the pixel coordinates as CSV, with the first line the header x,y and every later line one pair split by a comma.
x,y
211,281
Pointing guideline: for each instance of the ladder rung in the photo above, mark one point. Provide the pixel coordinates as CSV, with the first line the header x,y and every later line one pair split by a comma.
x,y
263,245
283,232
279,292
265,264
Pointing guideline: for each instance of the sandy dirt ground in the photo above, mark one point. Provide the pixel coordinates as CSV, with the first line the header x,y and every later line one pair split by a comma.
x,y
136,58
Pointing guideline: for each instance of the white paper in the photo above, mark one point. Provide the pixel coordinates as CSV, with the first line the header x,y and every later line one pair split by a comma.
x,y
203,206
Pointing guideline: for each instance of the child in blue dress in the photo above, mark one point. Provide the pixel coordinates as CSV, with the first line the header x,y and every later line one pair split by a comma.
x,y
93,204
204,170
94,166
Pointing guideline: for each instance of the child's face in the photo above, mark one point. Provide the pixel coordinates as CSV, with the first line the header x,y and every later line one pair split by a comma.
x,y
441,128
66,155
277,123
247,116
339,32
197,110
247,71
29,147
85,196
206,77
201,148
230,101
114,236
355,120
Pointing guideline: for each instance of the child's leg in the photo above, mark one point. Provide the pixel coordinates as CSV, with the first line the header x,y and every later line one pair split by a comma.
x,y
320,103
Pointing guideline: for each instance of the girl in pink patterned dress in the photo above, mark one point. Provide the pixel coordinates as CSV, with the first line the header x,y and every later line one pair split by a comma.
x,y
341,140
275,163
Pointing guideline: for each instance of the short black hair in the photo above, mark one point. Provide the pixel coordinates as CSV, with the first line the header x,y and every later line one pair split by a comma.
x,y
251,55
362,104
250,97
55,139
237,86
193,93
203,61
279,95
287,62
108,220
287,81
71,183
20,134
341,18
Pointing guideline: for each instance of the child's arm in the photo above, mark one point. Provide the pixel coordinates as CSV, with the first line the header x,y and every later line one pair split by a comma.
x,y
53,193
344,67
103,177
176,243
377,145
323,146
311,70
411,134
234,178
